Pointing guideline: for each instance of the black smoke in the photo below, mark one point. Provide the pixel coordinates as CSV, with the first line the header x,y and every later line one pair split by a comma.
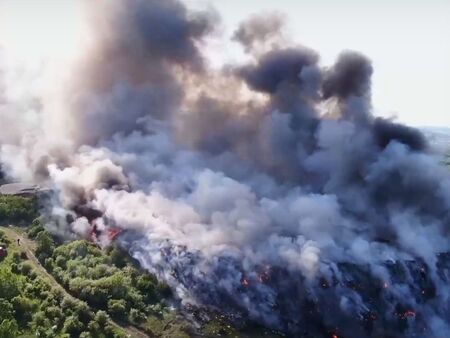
x,y
266,189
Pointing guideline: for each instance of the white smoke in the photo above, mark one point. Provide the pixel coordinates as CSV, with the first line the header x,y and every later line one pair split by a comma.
x,y
262,188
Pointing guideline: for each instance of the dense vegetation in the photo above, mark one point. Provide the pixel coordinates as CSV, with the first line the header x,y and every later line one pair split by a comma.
x,y
105,284
93,293
31,306
108,280
17,210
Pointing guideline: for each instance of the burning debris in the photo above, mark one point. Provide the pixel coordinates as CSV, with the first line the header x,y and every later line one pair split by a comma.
x,y
245,282
104,236
267,190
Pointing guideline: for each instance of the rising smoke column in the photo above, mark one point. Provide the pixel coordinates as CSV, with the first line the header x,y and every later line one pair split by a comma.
x,y
266,188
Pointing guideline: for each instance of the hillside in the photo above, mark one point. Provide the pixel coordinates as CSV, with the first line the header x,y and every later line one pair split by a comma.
x,y
57,288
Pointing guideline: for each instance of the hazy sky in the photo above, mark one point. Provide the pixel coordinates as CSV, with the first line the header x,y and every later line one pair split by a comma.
x,y
408,42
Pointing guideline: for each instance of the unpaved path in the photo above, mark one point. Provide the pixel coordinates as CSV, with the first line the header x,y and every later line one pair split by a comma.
x,y
29,246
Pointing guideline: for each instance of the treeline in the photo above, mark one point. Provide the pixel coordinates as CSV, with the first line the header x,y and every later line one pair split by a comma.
x,y
111,281
17,210
105,279
103,284
30,306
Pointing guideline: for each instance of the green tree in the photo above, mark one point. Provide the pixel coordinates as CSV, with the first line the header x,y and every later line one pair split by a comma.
x,y
118,257
6,309
45,246
10,283
81,309
102,318
146,284
40,321
136,316
35,228
23,308
25,268
55,314
117,308
17,210
73,326
16,257
9,328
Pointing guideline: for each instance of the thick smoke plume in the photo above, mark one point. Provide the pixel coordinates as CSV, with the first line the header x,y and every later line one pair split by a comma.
x,y
267,188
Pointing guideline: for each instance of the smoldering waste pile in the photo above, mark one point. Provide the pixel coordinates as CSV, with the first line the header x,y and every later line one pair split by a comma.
x,y
266,188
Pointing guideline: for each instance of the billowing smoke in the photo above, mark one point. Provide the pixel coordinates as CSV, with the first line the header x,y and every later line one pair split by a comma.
x,y
266,188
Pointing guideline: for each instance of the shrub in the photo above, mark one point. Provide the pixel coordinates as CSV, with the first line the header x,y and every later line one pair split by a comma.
x,y
10,284
6,309
73,326
136,316
8,328
117,308
25,268
45,246
17,210
23,308
35,228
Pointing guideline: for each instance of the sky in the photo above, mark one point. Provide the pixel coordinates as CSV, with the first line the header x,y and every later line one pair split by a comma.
x,y
408,42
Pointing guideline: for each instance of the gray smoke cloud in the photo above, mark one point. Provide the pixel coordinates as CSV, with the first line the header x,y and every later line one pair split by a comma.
x,y
237,186
261,32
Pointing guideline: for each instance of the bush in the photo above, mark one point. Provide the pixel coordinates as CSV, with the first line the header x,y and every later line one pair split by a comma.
x,y
61,262
40,321
3,239
15,268
25,268
17,210
73,326
35,228
8,328
54,313
136,316
10,284
49,264
81,309
16,257
33,275
45,246
23,308
117,308
6,310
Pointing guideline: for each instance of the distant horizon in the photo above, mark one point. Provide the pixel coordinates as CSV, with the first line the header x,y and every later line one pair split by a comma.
x,y
408,43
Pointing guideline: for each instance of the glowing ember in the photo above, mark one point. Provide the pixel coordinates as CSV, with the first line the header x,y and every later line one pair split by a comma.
x,y
113,233
245,282
409,313
406,314
264,276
